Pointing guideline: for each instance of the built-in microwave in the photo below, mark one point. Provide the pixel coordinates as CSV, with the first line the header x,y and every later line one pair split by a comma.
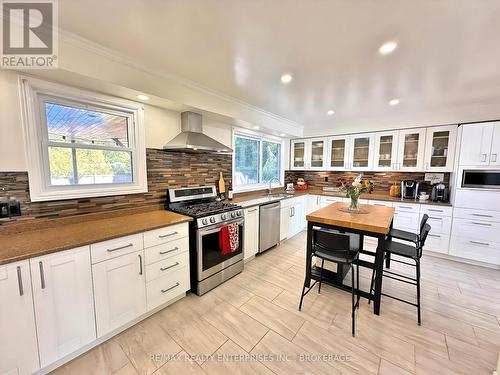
x,y
481,179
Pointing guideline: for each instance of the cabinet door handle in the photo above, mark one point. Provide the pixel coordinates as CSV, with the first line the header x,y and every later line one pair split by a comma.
x,y
172,287
434,235
167,268
408,207
480,243
483,157
435,218
168,251
120,247
493,158
481,215
483,224
20,281
434,210
42,275
252,210
167,235
140,264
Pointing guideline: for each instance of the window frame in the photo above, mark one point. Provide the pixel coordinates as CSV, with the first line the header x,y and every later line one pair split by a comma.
x,y
260,137
34,93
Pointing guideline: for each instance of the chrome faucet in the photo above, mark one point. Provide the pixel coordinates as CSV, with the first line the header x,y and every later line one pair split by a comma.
x,y
270,190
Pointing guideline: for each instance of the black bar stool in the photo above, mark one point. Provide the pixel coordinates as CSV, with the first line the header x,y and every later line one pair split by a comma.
x,y
335,247
413,252
405,236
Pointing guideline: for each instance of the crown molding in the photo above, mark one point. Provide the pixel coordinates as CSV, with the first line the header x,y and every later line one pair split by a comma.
x,y
98,49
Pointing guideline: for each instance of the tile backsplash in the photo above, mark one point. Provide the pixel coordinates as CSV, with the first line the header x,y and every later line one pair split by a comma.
x,y
382,180
165,170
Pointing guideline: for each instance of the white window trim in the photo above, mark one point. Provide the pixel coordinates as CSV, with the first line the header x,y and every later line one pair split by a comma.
x,y
35,140
262,137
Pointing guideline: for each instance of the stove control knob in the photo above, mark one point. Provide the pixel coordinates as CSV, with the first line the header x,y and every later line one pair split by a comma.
x,y
204,221
223,216
212,220
238,213
233,214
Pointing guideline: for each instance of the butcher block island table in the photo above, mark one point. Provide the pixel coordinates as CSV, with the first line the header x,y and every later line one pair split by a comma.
x,y
374,221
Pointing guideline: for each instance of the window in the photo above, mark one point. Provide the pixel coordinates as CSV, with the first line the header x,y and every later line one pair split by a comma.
x,y
81,144
256,161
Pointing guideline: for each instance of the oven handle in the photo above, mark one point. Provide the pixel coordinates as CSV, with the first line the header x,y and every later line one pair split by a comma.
x,y
216,228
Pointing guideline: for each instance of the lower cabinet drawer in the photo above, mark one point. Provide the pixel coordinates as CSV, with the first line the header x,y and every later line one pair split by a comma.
x,y
167,266
166,250
406,221
483,251
476,229
437,243
163,289
164,235
116,247
439,224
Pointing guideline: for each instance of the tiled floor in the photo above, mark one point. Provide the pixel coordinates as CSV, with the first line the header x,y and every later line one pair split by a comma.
x,y
256,314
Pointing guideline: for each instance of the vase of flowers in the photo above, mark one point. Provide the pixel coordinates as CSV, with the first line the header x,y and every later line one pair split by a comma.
x,y
354,189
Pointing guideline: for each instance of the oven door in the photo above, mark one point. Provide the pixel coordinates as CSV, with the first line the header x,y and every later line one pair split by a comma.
x,y
209,255
481,179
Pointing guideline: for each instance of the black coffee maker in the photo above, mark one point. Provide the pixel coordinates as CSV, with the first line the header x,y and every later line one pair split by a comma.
x,y
409,189
440,193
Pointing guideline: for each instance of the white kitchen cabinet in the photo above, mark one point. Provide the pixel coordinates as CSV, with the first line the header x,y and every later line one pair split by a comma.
x,y
251,232
18,343
440,144
361,152
298,215
285,220
313,203
386,151
406,216
120,291
327,200
411,150
440,219
480,145
64,305
338,152
309,154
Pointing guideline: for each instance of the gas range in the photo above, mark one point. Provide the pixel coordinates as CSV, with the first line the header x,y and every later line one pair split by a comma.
x,y
209,265
200,204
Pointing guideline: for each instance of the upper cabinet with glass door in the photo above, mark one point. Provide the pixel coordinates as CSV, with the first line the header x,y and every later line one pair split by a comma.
x,y
338,153
386,149
361,152
411,150
440,148
308,154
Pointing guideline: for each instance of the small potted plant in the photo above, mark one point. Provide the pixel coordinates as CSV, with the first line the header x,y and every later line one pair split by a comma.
x,y
354,190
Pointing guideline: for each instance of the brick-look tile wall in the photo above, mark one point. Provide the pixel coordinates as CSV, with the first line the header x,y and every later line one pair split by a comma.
x,y
165,170
382,180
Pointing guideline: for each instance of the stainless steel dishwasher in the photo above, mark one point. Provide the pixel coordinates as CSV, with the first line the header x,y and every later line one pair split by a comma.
x,y
269,226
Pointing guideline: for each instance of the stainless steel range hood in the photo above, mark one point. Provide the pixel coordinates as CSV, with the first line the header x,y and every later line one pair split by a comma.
x,y
191,138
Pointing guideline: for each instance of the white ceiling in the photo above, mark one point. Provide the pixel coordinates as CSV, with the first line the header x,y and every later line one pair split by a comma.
x,y
448,57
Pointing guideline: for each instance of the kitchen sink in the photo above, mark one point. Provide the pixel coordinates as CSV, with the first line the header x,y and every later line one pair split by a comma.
x,y
279,196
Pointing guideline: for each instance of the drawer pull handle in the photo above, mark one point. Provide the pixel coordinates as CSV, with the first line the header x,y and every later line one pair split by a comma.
x,y
42,275
120,247
434,210
20,281
168,235
172,287
481,215
483,224
252,210
167,268
435,218
408,207
480,243
168,251
140,264
434,235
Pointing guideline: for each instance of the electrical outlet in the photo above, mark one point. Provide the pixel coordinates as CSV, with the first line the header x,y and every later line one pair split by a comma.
x,y
326,178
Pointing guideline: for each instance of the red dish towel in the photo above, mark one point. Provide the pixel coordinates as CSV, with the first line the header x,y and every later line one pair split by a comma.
x,y
229,238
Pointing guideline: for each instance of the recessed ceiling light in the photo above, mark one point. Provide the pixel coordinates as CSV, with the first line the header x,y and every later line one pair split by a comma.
x,y
394,102
387,48
286,78
282,134
330,112
142,97
256,127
